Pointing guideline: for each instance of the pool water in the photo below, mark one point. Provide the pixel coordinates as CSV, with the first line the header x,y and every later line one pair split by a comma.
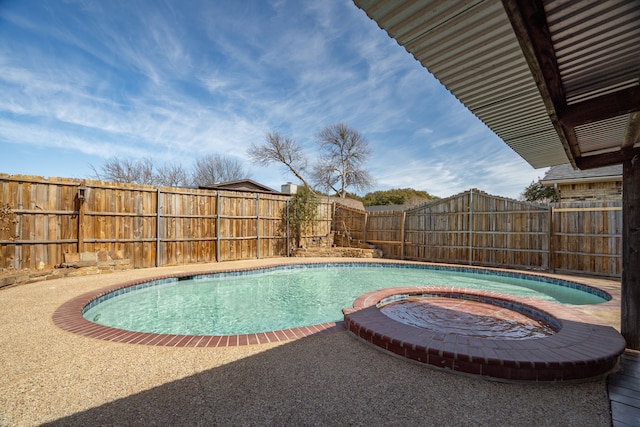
x,y
282,298
471,318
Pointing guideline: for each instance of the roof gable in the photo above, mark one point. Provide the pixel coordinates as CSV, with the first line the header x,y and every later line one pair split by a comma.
x,y
241,185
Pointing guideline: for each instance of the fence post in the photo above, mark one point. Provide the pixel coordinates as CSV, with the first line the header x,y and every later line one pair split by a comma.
x,y
81,209
471,227
404,216
258,226
218,226
552,245
158,228
288,228
364,227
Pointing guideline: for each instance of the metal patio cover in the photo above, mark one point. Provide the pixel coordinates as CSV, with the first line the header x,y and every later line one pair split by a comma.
x,y
558,81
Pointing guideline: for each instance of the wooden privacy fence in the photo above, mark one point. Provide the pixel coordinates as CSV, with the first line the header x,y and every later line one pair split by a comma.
x,y
169,226
587,237
479,229
349,223
152,226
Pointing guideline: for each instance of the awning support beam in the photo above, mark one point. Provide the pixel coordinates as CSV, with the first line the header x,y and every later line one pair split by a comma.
x,y
607,159
630,288
529,22
601,108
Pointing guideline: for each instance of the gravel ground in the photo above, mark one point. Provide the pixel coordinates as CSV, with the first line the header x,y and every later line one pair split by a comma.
x,y
54,377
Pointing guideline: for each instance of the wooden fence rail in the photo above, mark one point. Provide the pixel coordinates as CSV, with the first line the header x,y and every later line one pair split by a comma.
x,y
587,237
479,229
152,226
169,226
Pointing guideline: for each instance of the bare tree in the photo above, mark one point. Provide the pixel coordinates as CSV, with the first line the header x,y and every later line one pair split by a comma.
x,y
284,150
344,151
214,169
129,171
207,170
172,175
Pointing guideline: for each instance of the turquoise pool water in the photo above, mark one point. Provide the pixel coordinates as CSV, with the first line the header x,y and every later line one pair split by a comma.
x,y
293,296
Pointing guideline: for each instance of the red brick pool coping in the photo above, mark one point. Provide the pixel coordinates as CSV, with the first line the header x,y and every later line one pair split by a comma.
x,y
578,351
69,317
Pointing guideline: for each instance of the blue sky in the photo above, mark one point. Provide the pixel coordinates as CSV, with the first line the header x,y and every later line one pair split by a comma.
x,y
83,81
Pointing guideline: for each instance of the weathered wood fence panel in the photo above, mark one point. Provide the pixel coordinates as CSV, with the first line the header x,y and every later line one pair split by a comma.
x,y
151,226
186,230
320,228
384,230
117,217
508,233
238,226
349,223
324,220
479,229
587,238
439,231
47,220
169,226
272,228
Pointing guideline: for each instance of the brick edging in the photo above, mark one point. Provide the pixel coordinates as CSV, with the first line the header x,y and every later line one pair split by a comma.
x,y
69,318
578,351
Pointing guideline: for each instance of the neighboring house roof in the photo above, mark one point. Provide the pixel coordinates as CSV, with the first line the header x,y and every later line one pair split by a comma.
x,y
385,208
404,207
562,174
242,185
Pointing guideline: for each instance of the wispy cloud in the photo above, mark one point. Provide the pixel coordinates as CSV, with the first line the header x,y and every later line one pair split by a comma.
x,y
174,81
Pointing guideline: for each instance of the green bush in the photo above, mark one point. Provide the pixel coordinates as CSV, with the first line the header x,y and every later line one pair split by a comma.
x,y
302,213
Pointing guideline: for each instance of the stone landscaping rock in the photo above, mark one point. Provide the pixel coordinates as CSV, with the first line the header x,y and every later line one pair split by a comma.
x,y
75,264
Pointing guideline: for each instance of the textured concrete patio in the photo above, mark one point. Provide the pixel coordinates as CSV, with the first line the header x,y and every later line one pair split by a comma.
x,y
57,377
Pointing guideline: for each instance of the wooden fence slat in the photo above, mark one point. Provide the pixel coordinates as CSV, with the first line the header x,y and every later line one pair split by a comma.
x,y
162,226
506,233
180,228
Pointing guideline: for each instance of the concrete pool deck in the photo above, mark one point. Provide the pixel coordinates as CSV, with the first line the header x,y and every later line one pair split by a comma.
x,y
57,377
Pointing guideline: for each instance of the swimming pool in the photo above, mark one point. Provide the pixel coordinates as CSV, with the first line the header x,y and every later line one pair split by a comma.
x,y
292,296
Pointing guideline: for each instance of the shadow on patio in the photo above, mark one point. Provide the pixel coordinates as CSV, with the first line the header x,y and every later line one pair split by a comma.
x,y
334,379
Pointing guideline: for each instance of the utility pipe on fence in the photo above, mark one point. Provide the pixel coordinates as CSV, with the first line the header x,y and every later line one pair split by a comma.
x,y
81,210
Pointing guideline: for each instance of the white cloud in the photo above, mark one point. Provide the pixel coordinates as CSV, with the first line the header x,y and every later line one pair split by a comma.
x,y
168,81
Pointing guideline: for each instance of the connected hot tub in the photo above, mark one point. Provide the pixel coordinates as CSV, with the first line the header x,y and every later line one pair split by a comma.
x,y
484,333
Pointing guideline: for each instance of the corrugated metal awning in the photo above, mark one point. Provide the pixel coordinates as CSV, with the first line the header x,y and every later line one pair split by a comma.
x,y
557,81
